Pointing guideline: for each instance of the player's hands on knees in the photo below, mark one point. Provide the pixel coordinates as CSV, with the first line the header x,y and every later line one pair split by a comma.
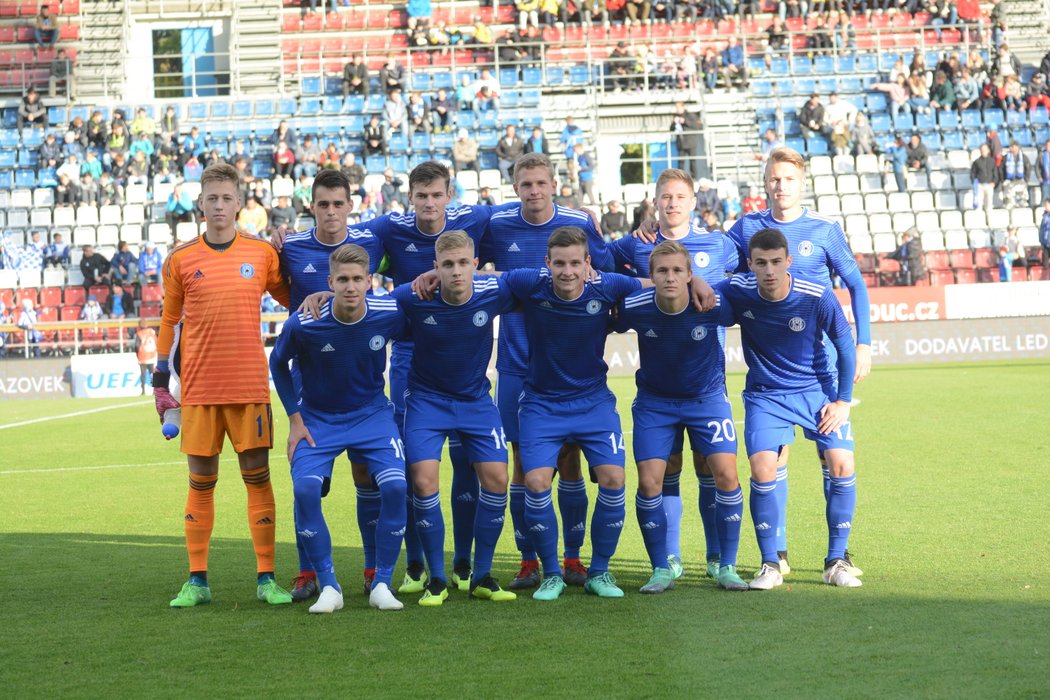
x,y
647,230
313,303
702,293
424,285
863,363
833,416
162,398
297,432
277,238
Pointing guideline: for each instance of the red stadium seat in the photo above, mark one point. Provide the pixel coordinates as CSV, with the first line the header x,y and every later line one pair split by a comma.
x,y
1038,274
51,296
1019,274
986,274
7,296
966,276
92,338
937,260
869,279
27,293
889,271
74,296
290,23
866,262
47,314
941,278
961,258
986,258
149,310
101,292
69,313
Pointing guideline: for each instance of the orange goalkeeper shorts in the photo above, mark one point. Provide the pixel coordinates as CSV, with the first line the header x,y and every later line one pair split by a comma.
x,y
249,425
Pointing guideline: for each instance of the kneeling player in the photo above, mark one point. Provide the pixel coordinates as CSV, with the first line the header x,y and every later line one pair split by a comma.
x,y
448,393
341,356
681,384
782,318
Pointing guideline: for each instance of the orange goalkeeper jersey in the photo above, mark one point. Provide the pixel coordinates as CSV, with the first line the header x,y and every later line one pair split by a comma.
x,y
217,296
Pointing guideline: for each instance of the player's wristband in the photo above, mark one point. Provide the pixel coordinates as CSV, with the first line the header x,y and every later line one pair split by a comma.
x,y
161,379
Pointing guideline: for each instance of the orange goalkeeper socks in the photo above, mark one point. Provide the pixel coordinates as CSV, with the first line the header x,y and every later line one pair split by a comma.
x,y
261,516
199,519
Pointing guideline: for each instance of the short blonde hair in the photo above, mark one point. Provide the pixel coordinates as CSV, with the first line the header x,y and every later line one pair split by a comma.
x,y
453,240
783,154
669,248
348,254
533,160
674,175
220,172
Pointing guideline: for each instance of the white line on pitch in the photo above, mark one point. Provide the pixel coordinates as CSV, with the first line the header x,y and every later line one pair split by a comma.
x,y
71,415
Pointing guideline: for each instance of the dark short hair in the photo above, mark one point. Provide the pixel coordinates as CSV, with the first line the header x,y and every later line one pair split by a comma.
x,y
428,171
565,236
333,180
767,239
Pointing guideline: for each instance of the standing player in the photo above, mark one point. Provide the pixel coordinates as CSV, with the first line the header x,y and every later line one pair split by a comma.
x,y
566,400
304,263
681,385
448,393
213,285
783,318
341,356
819,247
518,240
711,256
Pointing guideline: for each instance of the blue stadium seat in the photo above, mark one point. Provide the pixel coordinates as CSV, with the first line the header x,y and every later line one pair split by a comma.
x,y
399,163
375,164
845,63
1042,134
264,108
57,115
374,103
10,118
444,80
7,179
354,123
420,80
876,102
530,98
805,86
824,64
887,59
932,141
219,132
8,159
532,77
948,121
555,75
332,105
952,141
756,65
766,124
1016,118
261,168
925,121
903,121
32,138
533,119
779,66
84,112
489,119
465,120
831,84
311,86
993,118
28,158
802,65
355,104
488,160
971,119
509,99
867,63
1039,116
850,84
241,131
198,111
791,126
310,106
421,141
220,110
47,178
443,141
1022,136
287,106
579,75
488,138
25,178
398,143
817,146
884,141
508,77
242,109
761,88
9,138
974,139
417,159
798,144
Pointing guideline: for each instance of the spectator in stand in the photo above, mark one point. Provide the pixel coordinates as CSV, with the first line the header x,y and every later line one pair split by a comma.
x,y
368,210
985,175
419,12
910,257
508,150
442,111
49,155
252,218
485,197
179,208
283,160
811,118
898,155
118,306
355,77
592,11
977,65
330,157
1013,94
614,222
27,322
995,144
91,165
302,195
45,30
942,95
455,201
261,193
776,37
707,197
1044,231
820,41
375,137
845,35
898,92
143,124
918,156
354,172
94,268
61,71
71,168
465,152
638,11
391,192
571,134
168,128
118,118
145,347
567,198
585,172
538,142
711,66
285,133
752,201
918,93
481,34
528,13
486,93
944,12
120,168
283,215
418,114
192,145
618,68
839,112
862,136
92,310
307,157
1013,177
1038,92
70,146
709,220
31,111
109,191
967,91
150,263
395,113
1005,63
123,265
57,253
733,67
143,142
950,66
686,127
1044,170
97,131
67,192
311,6
465,93
1016,248
139,170
792,8
391,76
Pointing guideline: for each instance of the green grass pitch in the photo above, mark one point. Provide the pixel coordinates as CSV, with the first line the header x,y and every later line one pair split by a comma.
x,y
951,529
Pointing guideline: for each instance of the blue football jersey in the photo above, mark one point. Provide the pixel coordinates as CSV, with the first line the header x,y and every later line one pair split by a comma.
x,y
817,245
711,253
566,339
341,363
783,340
453,344
515,244
304,260
681,357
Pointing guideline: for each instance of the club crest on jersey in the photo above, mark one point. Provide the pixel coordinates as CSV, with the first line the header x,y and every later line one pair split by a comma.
x,y
805,249
247,271
699,333
701,259
797,324
594,306
481,318
377,342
